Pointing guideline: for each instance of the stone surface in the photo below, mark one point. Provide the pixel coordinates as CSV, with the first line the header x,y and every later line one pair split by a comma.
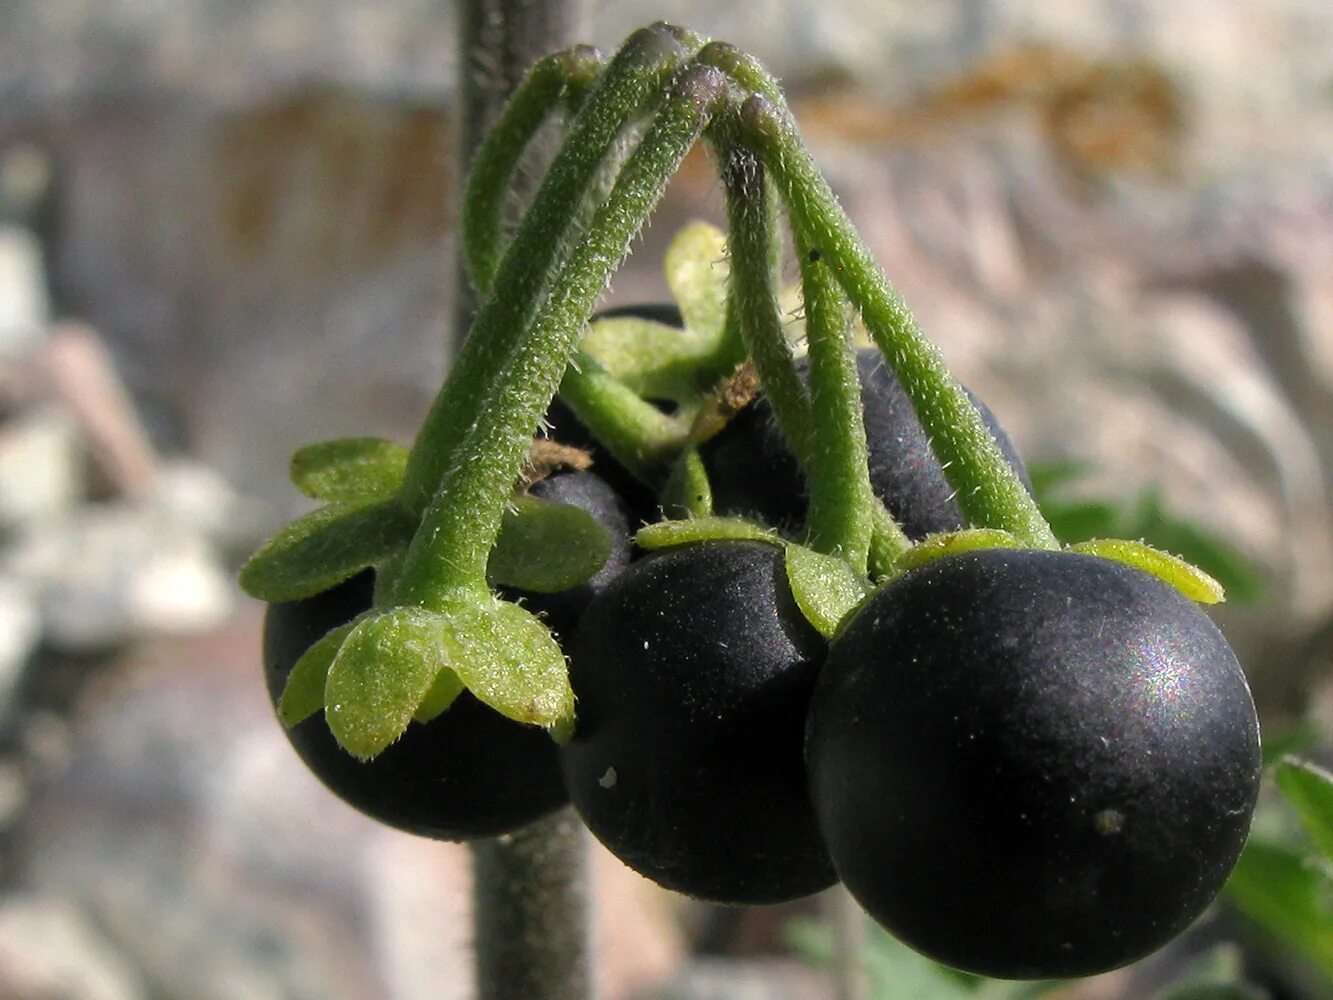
x,y
41,468
50,951
24,309
20,628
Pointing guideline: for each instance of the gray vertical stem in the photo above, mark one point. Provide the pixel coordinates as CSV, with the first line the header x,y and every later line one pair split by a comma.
x,y
530,896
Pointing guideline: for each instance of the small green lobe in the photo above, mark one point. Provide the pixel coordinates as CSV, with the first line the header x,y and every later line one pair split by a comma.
x,y
951,543
825,587
665,534
442,694
1191,581
688,493
382,673
324,548
350,470
303,694
508,659
547,547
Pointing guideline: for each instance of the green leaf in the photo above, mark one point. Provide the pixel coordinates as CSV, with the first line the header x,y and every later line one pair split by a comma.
x,y
688,493
825,587
655,360
386,667
303,695
949,543
1239,576
547,547
1191,581
324,548
665,534
1275,888
507,658
442,694
350,470
1310,789
698,274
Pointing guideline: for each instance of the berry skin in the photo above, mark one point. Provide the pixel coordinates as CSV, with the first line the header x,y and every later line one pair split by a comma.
x,y
753,472
1032,764
693,672
467,773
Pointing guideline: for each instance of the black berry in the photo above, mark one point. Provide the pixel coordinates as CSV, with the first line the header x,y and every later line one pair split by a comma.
x,y
753,472
467,773
1032,764
693,671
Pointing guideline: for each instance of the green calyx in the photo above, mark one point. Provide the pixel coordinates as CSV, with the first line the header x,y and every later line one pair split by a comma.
x,y
440,522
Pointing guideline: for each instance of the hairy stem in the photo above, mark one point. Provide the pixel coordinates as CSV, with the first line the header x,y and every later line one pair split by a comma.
x,y
446,560
638,72
989,492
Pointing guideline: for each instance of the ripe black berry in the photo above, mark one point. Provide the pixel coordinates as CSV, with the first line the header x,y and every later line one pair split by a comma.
x,y
1032,764
468,773
693,672
753,472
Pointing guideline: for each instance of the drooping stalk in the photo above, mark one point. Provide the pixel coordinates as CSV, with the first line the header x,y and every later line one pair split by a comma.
x,y
839,519
989,493
637,73
560,78
446,561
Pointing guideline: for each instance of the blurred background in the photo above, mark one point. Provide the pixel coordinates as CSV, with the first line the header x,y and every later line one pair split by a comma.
x,y
227,229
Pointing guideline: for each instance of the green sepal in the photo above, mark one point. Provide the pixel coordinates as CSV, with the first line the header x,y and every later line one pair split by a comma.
x,y
1191,581
655,360
1310,789
507,658
546,547
324,548
825,587
688,493
948,543
382,673
665,534
698,274
442,694
349,470
303,694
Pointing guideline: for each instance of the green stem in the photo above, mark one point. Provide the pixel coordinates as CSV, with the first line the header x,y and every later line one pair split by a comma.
x,y
446,560
839,519
637,434
750,222
989,493
551,82
636,74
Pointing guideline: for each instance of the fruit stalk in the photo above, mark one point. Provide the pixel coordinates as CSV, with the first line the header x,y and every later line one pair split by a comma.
x,y
990,494
446,562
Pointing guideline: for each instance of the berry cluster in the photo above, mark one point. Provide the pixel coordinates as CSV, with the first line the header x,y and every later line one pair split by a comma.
x,y
846,645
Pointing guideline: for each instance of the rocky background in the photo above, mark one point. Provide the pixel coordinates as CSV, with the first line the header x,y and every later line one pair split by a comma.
x,y
225,230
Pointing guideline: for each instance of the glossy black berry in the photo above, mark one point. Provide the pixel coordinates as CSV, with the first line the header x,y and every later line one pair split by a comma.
x,y
468,773
1032,764
560,611
693,672
753,472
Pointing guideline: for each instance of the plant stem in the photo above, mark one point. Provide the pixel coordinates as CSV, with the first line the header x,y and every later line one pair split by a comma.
x,y
446,561
530,904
